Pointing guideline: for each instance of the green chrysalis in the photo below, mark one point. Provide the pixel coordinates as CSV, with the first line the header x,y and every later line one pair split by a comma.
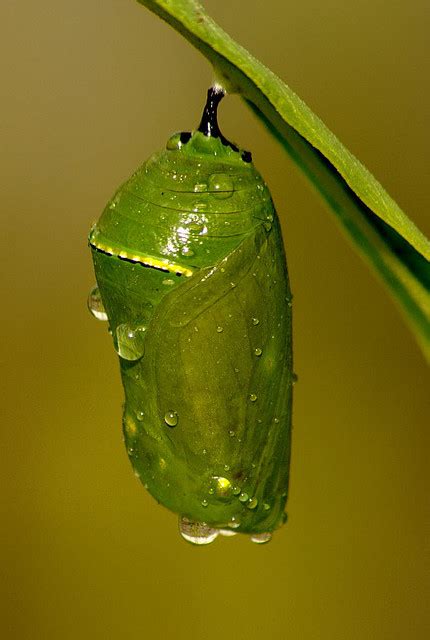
x,y
191,275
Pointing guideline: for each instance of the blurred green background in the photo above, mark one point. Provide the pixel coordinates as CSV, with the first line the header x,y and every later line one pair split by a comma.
x,y
88,91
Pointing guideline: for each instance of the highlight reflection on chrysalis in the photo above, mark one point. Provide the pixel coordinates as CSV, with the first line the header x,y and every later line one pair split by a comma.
x,y
192,278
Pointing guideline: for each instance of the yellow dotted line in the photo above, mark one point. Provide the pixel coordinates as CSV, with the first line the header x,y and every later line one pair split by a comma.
x,y
147,261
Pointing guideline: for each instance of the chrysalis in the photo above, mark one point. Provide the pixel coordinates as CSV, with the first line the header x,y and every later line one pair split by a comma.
x,y
192,278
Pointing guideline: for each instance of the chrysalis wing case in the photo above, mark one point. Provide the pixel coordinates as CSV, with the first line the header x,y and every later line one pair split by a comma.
x,y
192,277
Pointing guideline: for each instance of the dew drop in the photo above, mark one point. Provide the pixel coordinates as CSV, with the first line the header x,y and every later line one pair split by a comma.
x,y
187,252
221,185
168,282
219,329
199,187
174,142
266,506
95,304
252,503
253,397
227,532
196,532
140,415
231,433
258,351
255,321
197,228
221,487
243,497
171,418
130,342
236,491
204,503
261,538
200,206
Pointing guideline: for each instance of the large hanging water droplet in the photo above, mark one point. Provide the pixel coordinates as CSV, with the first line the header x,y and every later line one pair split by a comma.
x,y
196,532
261,538
171,418
130,342
227,532
95,304
221,185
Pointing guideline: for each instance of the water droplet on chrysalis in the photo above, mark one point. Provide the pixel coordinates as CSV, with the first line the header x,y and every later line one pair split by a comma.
x,y
261,538
221,185
221,487
171,418
174,142
95,304
196,532
130,342
187,252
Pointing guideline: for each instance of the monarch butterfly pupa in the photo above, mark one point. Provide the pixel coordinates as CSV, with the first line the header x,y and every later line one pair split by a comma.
x,y
192,277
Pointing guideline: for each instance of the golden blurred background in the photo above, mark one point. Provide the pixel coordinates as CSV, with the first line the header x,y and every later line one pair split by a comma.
x,y
88,91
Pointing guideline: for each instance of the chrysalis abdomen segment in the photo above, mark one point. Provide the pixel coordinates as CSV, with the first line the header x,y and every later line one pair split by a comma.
x,y
190,264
